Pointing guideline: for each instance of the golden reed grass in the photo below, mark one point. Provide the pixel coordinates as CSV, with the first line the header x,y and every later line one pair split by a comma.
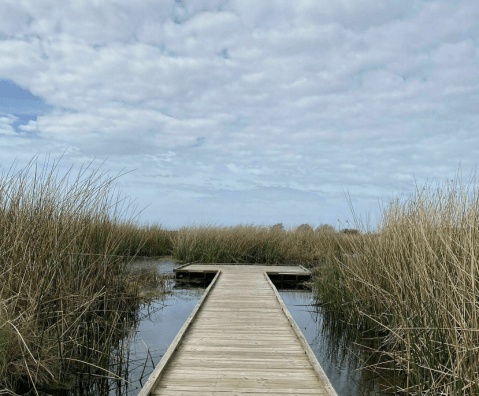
x,y
253,244
64,285
416,280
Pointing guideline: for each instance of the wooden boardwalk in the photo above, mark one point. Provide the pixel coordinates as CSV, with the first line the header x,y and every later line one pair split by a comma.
x,y
239,340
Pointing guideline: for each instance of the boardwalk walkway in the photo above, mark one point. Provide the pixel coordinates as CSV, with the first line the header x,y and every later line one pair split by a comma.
x,y
239,340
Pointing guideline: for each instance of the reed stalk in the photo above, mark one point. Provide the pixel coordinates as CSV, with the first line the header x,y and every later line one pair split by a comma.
x,y
416,281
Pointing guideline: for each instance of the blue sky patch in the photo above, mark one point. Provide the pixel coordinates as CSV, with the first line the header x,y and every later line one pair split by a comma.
x,y
21,103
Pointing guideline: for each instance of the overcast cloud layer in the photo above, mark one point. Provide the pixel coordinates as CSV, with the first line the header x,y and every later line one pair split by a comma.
x,y
245,111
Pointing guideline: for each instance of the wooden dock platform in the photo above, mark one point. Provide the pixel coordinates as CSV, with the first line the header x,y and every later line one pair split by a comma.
x,y
240,340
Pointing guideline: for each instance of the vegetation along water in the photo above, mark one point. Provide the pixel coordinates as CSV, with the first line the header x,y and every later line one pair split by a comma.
x,y
407,292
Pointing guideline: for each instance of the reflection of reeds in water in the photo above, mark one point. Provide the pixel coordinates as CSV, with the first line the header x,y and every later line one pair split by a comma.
x,y
151,283
121,368
64,284
346,346
416,282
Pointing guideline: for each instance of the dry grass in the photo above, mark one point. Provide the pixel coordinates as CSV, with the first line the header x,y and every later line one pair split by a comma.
x,y
253,244
64,284
417,282
146,240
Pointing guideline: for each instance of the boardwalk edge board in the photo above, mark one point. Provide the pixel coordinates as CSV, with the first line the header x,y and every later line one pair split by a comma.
x,y
156,374
181,267
305,269
323,378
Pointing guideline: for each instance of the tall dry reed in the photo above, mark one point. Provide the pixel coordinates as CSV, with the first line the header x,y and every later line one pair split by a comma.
x,y
253,244
416,281
63,277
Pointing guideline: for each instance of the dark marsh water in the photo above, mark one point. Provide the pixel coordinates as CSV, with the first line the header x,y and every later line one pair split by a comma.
x,y
158,322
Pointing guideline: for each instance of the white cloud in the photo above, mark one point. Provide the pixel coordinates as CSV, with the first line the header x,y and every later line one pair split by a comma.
x,y
253,97
6,125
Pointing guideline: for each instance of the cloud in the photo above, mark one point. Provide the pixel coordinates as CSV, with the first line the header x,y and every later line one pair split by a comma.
x,y
6,124
259,98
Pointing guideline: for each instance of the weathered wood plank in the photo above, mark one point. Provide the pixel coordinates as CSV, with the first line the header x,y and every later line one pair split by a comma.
x,y
210,343
255,320
242,337
221,359
238,328
204,373
268,364
222,391
235,383
234,327
168,392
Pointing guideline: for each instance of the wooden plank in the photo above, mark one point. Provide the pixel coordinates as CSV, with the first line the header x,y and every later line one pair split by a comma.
x,y
241,316
308,272
220,299
240,348
221,343
220,312
239,344
270,305
233,326
204,372
181,267
188,390
175,392
250,315
235,383
290,355
239,328
240,364
245,319
266,309
241,337
184,356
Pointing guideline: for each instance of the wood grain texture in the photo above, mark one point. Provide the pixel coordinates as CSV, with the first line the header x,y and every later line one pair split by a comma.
x,y
240,341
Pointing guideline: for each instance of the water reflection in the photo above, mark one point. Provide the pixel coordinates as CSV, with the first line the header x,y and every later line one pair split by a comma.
x,y
152,328
334,345
149,337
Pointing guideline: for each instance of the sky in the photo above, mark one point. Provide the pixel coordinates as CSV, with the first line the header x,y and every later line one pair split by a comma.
x,y
230,112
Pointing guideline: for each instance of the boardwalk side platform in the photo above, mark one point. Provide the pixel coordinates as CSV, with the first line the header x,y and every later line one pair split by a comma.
x,y
240,339
283,273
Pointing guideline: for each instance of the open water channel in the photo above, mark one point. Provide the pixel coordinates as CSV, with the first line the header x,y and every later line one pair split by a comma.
x,y
158,322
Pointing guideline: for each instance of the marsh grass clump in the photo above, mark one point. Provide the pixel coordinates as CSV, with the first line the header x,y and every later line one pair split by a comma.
x,y
415,283
253,244
64,251
146,240
149,282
